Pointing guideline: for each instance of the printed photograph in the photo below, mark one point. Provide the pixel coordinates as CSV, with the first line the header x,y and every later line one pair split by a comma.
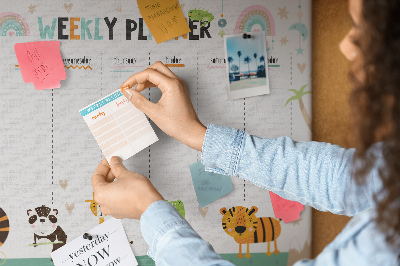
x,y
246,64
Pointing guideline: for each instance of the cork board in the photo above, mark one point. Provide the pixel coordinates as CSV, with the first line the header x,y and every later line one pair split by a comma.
x,y
331,89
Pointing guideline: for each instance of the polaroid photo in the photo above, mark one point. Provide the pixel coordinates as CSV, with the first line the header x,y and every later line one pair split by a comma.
x,y
246,64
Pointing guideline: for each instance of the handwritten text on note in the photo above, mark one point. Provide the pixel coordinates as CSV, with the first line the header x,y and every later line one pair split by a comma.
x,y
41,63
164,18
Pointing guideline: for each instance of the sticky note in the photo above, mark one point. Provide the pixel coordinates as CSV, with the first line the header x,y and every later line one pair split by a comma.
x,y
41,63
284,209
118,126
108,246
164,18
209,186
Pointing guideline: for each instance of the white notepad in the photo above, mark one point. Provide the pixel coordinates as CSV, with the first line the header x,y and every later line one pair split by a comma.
x,y
118,126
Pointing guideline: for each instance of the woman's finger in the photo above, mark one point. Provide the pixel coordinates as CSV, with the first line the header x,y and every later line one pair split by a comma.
x,y
110,177
142,86
160,67
159,80
100,174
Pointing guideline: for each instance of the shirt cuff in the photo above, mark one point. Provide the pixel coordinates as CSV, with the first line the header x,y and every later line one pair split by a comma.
x,y
222,148
159,218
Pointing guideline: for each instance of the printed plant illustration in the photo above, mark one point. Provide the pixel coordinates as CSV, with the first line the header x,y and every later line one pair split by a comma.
x,y
298,96
201,15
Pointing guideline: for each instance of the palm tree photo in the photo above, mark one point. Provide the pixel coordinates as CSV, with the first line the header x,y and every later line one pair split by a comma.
x,y
230,60
255,60
247,60
262,59
239,53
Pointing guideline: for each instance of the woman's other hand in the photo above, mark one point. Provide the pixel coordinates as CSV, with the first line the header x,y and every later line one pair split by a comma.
x,y
127,197
173,113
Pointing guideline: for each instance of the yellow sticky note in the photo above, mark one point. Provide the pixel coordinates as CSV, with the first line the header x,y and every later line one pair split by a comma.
x,y
164,18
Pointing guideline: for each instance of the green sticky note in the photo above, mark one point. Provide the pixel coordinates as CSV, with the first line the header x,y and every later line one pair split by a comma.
x,y
209,186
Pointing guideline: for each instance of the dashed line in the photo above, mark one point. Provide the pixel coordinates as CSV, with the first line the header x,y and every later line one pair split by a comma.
x,y
291,103
197,96
52,146
244,129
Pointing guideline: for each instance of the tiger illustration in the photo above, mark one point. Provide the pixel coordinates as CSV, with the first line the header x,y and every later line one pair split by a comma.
x,y
4,226
242,224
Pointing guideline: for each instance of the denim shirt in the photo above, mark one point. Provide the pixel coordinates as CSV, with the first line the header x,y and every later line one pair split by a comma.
x,y
312,173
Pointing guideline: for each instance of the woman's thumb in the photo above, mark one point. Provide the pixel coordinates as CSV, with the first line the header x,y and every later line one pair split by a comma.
x,y
117,167
138,100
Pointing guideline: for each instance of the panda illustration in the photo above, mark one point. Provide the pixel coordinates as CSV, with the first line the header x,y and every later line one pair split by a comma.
x,y
43,221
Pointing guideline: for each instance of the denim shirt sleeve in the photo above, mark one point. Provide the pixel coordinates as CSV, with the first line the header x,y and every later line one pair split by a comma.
x,y
312,173
172,241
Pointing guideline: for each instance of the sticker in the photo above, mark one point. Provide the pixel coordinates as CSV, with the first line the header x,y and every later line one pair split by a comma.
x,y
164,18
209,186
41,63
287,210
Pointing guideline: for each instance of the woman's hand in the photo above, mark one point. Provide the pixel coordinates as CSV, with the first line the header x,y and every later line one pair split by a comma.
x,y
127,197
174,113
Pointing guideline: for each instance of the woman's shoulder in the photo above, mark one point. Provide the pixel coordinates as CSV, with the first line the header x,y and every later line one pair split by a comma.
x,y
362,240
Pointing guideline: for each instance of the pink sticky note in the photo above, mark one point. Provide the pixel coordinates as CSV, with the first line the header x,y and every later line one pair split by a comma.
x,y
284,209
41,63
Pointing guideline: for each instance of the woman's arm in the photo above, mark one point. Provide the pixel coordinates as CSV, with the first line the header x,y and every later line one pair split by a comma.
x,y
315,174
312,173
172,241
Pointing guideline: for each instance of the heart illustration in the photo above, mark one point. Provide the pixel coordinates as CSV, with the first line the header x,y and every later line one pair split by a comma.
x,y
63,184
301,67
203,211
68,7
11,33
69,207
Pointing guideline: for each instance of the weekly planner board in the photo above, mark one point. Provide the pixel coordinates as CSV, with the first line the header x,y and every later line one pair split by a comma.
x,y
48,152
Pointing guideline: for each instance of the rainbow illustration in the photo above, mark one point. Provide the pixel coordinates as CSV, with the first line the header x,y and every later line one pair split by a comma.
x,y
13,24
254,17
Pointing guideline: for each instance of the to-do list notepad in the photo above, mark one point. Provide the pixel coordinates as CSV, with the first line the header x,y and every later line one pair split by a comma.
x,y
118,126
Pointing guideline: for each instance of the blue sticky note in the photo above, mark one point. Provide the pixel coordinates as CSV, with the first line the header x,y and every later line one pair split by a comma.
x,y
209,186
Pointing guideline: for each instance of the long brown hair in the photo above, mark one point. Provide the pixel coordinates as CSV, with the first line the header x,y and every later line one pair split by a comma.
x,y
375,103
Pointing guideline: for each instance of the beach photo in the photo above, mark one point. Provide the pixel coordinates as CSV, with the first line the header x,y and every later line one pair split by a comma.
x,y
246,64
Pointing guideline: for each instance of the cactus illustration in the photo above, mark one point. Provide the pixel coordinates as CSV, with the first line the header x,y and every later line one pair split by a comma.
x,y
178,204
201,15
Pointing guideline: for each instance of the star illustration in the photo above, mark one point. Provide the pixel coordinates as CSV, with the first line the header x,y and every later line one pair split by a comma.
x,y
299,51
32,9
283,13
284,40
119,9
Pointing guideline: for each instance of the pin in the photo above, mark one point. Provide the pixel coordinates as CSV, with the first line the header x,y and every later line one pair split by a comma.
x,y
87,236
246,36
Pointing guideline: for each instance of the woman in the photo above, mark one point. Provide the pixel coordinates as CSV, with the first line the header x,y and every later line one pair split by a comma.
x,y
362,182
